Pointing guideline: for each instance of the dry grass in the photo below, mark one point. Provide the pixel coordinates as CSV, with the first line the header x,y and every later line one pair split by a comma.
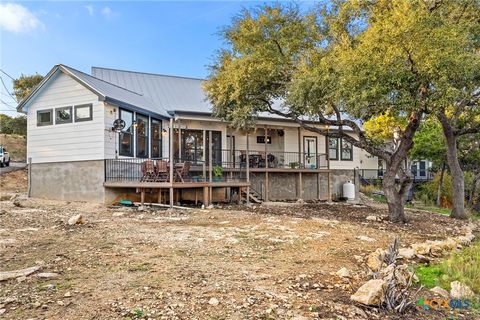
x,y
16,145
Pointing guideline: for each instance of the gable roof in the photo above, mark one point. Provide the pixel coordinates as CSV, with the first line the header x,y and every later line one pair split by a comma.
x,y
172,93
105,91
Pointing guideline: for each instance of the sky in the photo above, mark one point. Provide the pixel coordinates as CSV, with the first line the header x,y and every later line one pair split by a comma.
x,y
167,37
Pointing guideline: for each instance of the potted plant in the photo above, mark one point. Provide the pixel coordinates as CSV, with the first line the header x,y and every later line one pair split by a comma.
x,y
294,165
217,173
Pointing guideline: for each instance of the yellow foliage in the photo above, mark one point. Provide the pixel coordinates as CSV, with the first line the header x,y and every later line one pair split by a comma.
x,y
383,126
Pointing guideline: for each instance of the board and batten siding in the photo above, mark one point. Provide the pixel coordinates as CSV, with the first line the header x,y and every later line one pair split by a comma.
x,y
69,141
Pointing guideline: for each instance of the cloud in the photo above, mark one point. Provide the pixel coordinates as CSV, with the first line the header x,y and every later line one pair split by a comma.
x,y
107,12
18,19
90,10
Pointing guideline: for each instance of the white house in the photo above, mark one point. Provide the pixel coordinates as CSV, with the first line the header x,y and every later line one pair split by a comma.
x,y
167,147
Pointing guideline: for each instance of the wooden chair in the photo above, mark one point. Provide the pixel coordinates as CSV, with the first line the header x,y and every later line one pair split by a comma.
x,y
162,171
183,171
148,171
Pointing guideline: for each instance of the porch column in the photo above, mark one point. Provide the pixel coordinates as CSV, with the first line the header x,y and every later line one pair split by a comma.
x,y
179,142
329,191
210,156
248,172
170,155
204,166
266,163
300,160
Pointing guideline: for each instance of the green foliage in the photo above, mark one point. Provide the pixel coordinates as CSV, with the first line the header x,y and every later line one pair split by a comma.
x,y
463,266
24,85
381,128
13,125
427,192
217,171
429,143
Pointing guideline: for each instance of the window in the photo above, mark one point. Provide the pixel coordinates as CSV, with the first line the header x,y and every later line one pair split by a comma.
x,y
142,136
333,148
83,112
192,145
63,115
156,136
126,135
44,117
347,150
261,139
216,147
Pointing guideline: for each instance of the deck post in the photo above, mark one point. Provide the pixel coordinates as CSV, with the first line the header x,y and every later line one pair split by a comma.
x,y
205,196
210,162
329,190
248,173
142,196
170,155
266,163
204,144
300,160
300,185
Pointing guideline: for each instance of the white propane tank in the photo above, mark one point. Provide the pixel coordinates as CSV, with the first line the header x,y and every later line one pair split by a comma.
x,y
349,190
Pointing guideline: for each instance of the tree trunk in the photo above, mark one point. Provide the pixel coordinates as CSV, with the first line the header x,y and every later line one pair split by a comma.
x,y
458,182
395,200
440,186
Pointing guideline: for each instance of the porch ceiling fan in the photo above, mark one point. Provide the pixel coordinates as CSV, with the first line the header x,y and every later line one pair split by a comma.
x,y
118,125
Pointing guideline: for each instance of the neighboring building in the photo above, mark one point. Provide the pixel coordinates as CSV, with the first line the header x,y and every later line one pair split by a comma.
x,y
77,153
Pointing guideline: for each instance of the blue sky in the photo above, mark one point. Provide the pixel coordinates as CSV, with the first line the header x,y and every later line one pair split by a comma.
x,y
158,36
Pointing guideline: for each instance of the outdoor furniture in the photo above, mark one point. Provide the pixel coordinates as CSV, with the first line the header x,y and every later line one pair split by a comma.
x,y
161,171
182,170
148,171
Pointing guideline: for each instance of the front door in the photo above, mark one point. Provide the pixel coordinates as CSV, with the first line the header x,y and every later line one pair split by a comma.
x,y
310,152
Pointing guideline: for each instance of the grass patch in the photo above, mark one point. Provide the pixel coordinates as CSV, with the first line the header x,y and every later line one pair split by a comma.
x,y
463,266
443,211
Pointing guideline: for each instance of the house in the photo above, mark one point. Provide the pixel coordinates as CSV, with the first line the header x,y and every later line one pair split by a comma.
x,y
119,134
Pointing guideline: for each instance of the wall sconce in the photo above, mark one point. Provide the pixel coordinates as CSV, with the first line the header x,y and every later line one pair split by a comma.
x,y
164,132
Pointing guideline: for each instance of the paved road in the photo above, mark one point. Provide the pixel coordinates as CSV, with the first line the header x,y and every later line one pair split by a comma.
x,y
14,166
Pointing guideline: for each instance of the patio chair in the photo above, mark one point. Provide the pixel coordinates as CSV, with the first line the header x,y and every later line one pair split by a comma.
x,y
162,171
183,171
148,171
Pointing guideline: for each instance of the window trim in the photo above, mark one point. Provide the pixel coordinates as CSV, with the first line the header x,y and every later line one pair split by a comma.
x,y
90,106
40,124
341,151
336,149
59,121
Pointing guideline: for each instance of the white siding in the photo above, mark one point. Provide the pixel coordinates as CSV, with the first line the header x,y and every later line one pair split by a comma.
x,y
69,141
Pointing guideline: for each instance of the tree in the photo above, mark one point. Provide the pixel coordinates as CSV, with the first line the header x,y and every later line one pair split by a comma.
x,y
13,125
351,57
429,144
24,85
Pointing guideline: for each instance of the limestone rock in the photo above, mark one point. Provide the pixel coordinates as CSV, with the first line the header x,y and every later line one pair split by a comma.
x,y
402,274
213,302
365,238
370,293
421,248
76,219
374,259
440,292
372,218
343,273
466,239
47,275
406,253
460,291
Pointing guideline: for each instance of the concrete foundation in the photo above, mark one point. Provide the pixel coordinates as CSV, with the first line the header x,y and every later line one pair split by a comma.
x,y
70,181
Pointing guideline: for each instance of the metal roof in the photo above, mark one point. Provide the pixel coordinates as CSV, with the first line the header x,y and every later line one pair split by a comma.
x,y
172,93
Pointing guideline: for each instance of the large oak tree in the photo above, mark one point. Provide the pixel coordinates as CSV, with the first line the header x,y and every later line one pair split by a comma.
x,y
350,57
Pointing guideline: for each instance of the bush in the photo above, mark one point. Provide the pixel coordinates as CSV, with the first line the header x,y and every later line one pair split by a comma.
x,y
427,192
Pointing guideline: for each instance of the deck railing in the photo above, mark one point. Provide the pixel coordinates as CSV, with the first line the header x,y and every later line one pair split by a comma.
x,y
377,175
226,166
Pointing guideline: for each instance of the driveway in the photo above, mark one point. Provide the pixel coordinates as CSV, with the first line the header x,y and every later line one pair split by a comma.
x,y
14,166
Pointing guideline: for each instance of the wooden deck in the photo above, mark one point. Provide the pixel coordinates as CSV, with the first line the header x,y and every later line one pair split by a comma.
x,y
175,185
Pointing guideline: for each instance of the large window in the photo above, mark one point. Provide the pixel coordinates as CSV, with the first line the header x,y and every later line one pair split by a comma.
x,y
83,112
126,135
333,148
156,136
44,117
63,115
192,145
142,136
347,150
216,147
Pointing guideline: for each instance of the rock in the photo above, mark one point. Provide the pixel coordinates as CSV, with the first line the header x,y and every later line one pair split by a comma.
x,y
402,274
372,218
406,253
6,275
17,203
343,273
213,302
466,239
118,214
460,291
47,275
421,248
359,259
440,292
76,219
374,259
365,238
370,293
67,294
2,311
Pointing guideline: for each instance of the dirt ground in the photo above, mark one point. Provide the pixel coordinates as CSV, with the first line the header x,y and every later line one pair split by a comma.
x,y
225,263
